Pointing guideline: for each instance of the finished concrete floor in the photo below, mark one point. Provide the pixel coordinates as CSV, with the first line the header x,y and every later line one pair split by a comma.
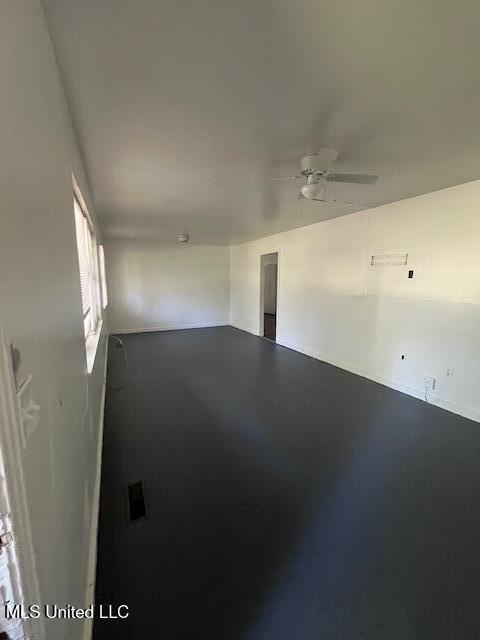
x,y
287,499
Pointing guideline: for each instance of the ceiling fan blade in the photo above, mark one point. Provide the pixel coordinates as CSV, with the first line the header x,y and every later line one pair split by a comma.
x,y
353,178
342,202
286,178
326,156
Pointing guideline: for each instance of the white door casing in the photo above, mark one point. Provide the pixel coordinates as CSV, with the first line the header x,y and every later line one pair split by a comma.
x,y
10,581
18,575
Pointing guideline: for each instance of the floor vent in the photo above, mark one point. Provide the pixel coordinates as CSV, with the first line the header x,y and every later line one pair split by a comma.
x,y
137,507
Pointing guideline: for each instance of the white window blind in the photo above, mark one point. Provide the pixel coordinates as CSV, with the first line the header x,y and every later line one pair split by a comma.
x,y
88,264
103,276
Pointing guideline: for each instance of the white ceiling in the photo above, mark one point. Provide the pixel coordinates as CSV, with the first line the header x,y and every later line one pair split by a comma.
x,y
185,108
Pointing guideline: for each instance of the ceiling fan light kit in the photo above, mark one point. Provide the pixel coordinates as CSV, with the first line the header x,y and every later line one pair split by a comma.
x,y
313,189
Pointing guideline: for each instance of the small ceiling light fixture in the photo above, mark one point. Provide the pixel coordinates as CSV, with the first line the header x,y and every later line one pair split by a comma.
x,y
183,237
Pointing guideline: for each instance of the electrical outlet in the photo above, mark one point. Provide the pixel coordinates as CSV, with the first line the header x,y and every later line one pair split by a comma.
x,y
429,383
449,372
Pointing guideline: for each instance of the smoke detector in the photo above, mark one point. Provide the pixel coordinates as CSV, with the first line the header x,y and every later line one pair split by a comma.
x,y
183,237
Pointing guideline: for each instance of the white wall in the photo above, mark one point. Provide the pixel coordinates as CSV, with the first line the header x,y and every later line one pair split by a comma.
x,y
40,308
333,305
160,286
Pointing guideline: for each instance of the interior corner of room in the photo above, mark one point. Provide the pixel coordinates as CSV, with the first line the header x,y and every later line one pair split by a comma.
x,y
240,298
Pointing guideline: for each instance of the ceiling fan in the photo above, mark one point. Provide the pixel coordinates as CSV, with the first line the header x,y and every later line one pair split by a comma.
x,y
315,169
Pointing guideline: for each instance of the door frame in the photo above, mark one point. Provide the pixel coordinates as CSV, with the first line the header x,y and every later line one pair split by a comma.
x,y
11,430
262,293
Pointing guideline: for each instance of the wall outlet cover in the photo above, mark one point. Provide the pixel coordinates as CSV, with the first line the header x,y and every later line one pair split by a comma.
x,y
429,382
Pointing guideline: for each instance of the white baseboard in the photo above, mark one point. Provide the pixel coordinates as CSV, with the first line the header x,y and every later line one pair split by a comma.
x,y
453,407
92,558
202,325
243,327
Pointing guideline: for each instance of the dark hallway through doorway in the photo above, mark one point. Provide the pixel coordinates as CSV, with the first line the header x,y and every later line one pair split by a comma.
x,y
269,294
270,326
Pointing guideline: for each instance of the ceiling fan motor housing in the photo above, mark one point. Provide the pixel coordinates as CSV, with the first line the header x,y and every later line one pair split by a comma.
x,y
318,163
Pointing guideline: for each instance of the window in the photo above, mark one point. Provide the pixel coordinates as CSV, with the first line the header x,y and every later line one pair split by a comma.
x,y
103,276
88,261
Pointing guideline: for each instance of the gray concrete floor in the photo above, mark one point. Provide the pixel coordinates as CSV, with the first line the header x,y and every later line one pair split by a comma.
x,y
288,499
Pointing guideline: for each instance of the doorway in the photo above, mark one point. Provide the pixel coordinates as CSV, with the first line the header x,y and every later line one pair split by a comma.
x,y
269,288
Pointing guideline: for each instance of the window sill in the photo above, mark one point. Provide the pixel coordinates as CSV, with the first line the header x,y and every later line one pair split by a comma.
x,y
92,346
